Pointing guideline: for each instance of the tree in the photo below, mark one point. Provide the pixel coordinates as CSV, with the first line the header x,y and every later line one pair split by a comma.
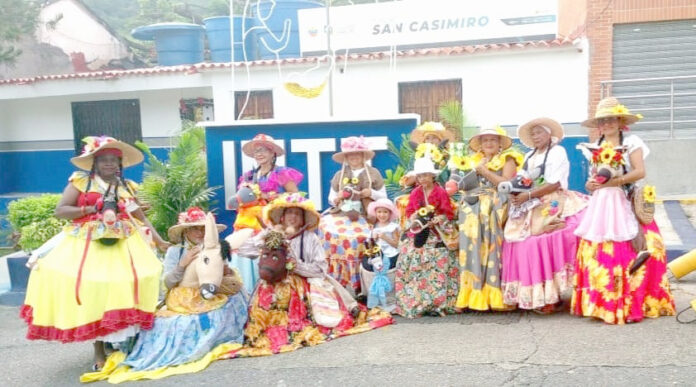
x,y
17,19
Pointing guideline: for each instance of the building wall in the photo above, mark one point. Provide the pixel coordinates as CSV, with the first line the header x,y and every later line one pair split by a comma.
x,y
77,31
601,17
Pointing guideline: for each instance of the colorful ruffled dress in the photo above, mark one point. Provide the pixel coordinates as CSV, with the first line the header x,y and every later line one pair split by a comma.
x,y
344,240
427,277
537,263
274,181
481,240
280,319
84,289
603,287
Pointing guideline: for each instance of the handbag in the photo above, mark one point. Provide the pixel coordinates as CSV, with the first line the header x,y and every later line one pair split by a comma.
x,y
644,210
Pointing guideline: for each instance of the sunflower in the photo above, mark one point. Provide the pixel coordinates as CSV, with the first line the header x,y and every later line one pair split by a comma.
x,y
346,180
606,155
423,211
376,250
649,194
619,110
460,162
436,156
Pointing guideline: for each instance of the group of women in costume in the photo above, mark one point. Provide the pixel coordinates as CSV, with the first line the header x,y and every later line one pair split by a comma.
x,y
456,241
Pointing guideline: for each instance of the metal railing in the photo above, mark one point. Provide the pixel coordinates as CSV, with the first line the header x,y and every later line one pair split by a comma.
x,y
662,101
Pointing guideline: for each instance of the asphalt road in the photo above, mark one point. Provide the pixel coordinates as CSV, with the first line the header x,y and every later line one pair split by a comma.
x,y
514,348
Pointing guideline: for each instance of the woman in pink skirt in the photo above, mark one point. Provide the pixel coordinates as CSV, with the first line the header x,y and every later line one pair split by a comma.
x,y
620,267
539,247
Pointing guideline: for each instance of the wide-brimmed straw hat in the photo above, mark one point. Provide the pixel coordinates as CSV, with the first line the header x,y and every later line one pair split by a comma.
x,y
262,140
193,217
610,107
353,144
524,132
94,146
273,211
497,130
429,127
424,165
383,203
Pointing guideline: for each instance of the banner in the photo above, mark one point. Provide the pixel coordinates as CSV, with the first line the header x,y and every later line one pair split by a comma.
x,y
420,23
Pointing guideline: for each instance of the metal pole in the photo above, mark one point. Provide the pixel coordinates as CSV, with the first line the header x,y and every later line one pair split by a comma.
x,y
331,57
234,102
671,109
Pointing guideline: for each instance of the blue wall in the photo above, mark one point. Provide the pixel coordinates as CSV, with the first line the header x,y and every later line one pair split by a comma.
x,y
47,171
336,130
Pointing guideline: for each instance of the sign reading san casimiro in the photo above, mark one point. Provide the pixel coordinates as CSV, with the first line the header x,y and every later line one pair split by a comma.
x,y
414,23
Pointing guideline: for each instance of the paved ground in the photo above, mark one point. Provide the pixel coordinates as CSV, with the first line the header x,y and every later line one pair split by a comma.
x,y
515,348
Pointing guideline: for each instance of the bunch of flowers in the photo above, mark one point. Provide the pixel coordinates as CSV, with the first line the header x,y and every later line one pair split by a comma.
x,y
606,154
436,154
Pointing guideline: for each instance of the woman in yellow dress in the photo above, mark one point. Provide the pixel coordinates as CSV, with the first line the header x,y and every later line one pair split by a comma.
x,y
482,215
101,281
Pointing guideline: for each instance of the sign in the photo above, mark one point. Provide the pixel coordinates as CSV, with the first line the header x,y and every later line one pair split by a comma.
x,y
308,148
420,23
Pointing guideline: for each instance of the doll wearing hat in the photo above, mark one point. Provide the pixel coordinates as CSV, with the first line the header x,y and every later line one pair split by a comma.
x,y
101,253
345,229
482,214
426,275
539,246
612,240
271,180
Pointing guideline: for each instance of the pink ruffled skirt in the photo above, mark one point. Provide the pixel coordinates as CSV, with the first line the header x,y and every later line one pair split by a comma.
x,y
537,270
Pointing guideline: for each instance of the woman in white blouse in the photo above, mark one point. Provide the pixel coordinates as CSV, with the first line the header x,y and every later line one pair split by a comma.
x,y
539,247
621,275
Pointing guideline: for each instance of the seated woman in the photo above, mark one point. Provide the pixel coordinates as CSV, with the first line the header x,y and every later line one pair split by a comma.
x,y
482,215
539,247
611,283
282,315
426,272
193,322
270,180
345,228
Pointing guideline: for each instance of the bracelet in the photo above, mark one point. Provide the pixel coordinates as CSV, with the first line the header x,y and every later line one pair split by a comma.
x,y
529,195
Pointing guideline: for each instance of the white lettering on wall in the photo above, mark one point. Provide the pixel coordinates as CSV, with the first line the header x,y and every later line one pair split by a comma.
x,y
229,169
313,147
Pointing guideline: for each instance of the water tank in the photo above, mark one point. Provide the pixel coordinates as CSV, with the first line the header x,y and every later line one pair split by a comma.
x,y
218,31
176,43
283,10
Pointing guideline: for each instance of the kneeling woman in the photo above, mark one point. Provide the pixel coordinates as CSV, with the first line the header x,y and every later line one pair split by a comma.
x,y
282,316
426,273
609,283
539,247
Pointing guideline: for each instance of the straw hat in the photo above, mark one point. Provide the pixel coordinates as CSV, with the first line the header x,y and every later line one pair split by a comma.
x,y
94,145
524,132
264,140
193,217
505,140
273,211
435,128
383,203
424,165
610,107
353,144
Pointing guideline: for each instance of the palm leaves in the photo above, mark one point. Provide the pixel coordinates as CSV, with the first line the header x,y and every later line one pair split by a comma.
x,y
181,182
452,114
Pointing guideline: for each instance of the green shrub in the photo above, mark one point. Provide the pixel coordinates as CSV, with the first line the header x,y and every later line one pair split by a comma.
x,y
32,220
34,235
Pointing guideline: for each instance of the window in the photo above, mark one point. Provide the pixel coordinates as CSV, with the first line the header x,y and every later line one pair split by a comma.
x,y
117,118
425,97
260,104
